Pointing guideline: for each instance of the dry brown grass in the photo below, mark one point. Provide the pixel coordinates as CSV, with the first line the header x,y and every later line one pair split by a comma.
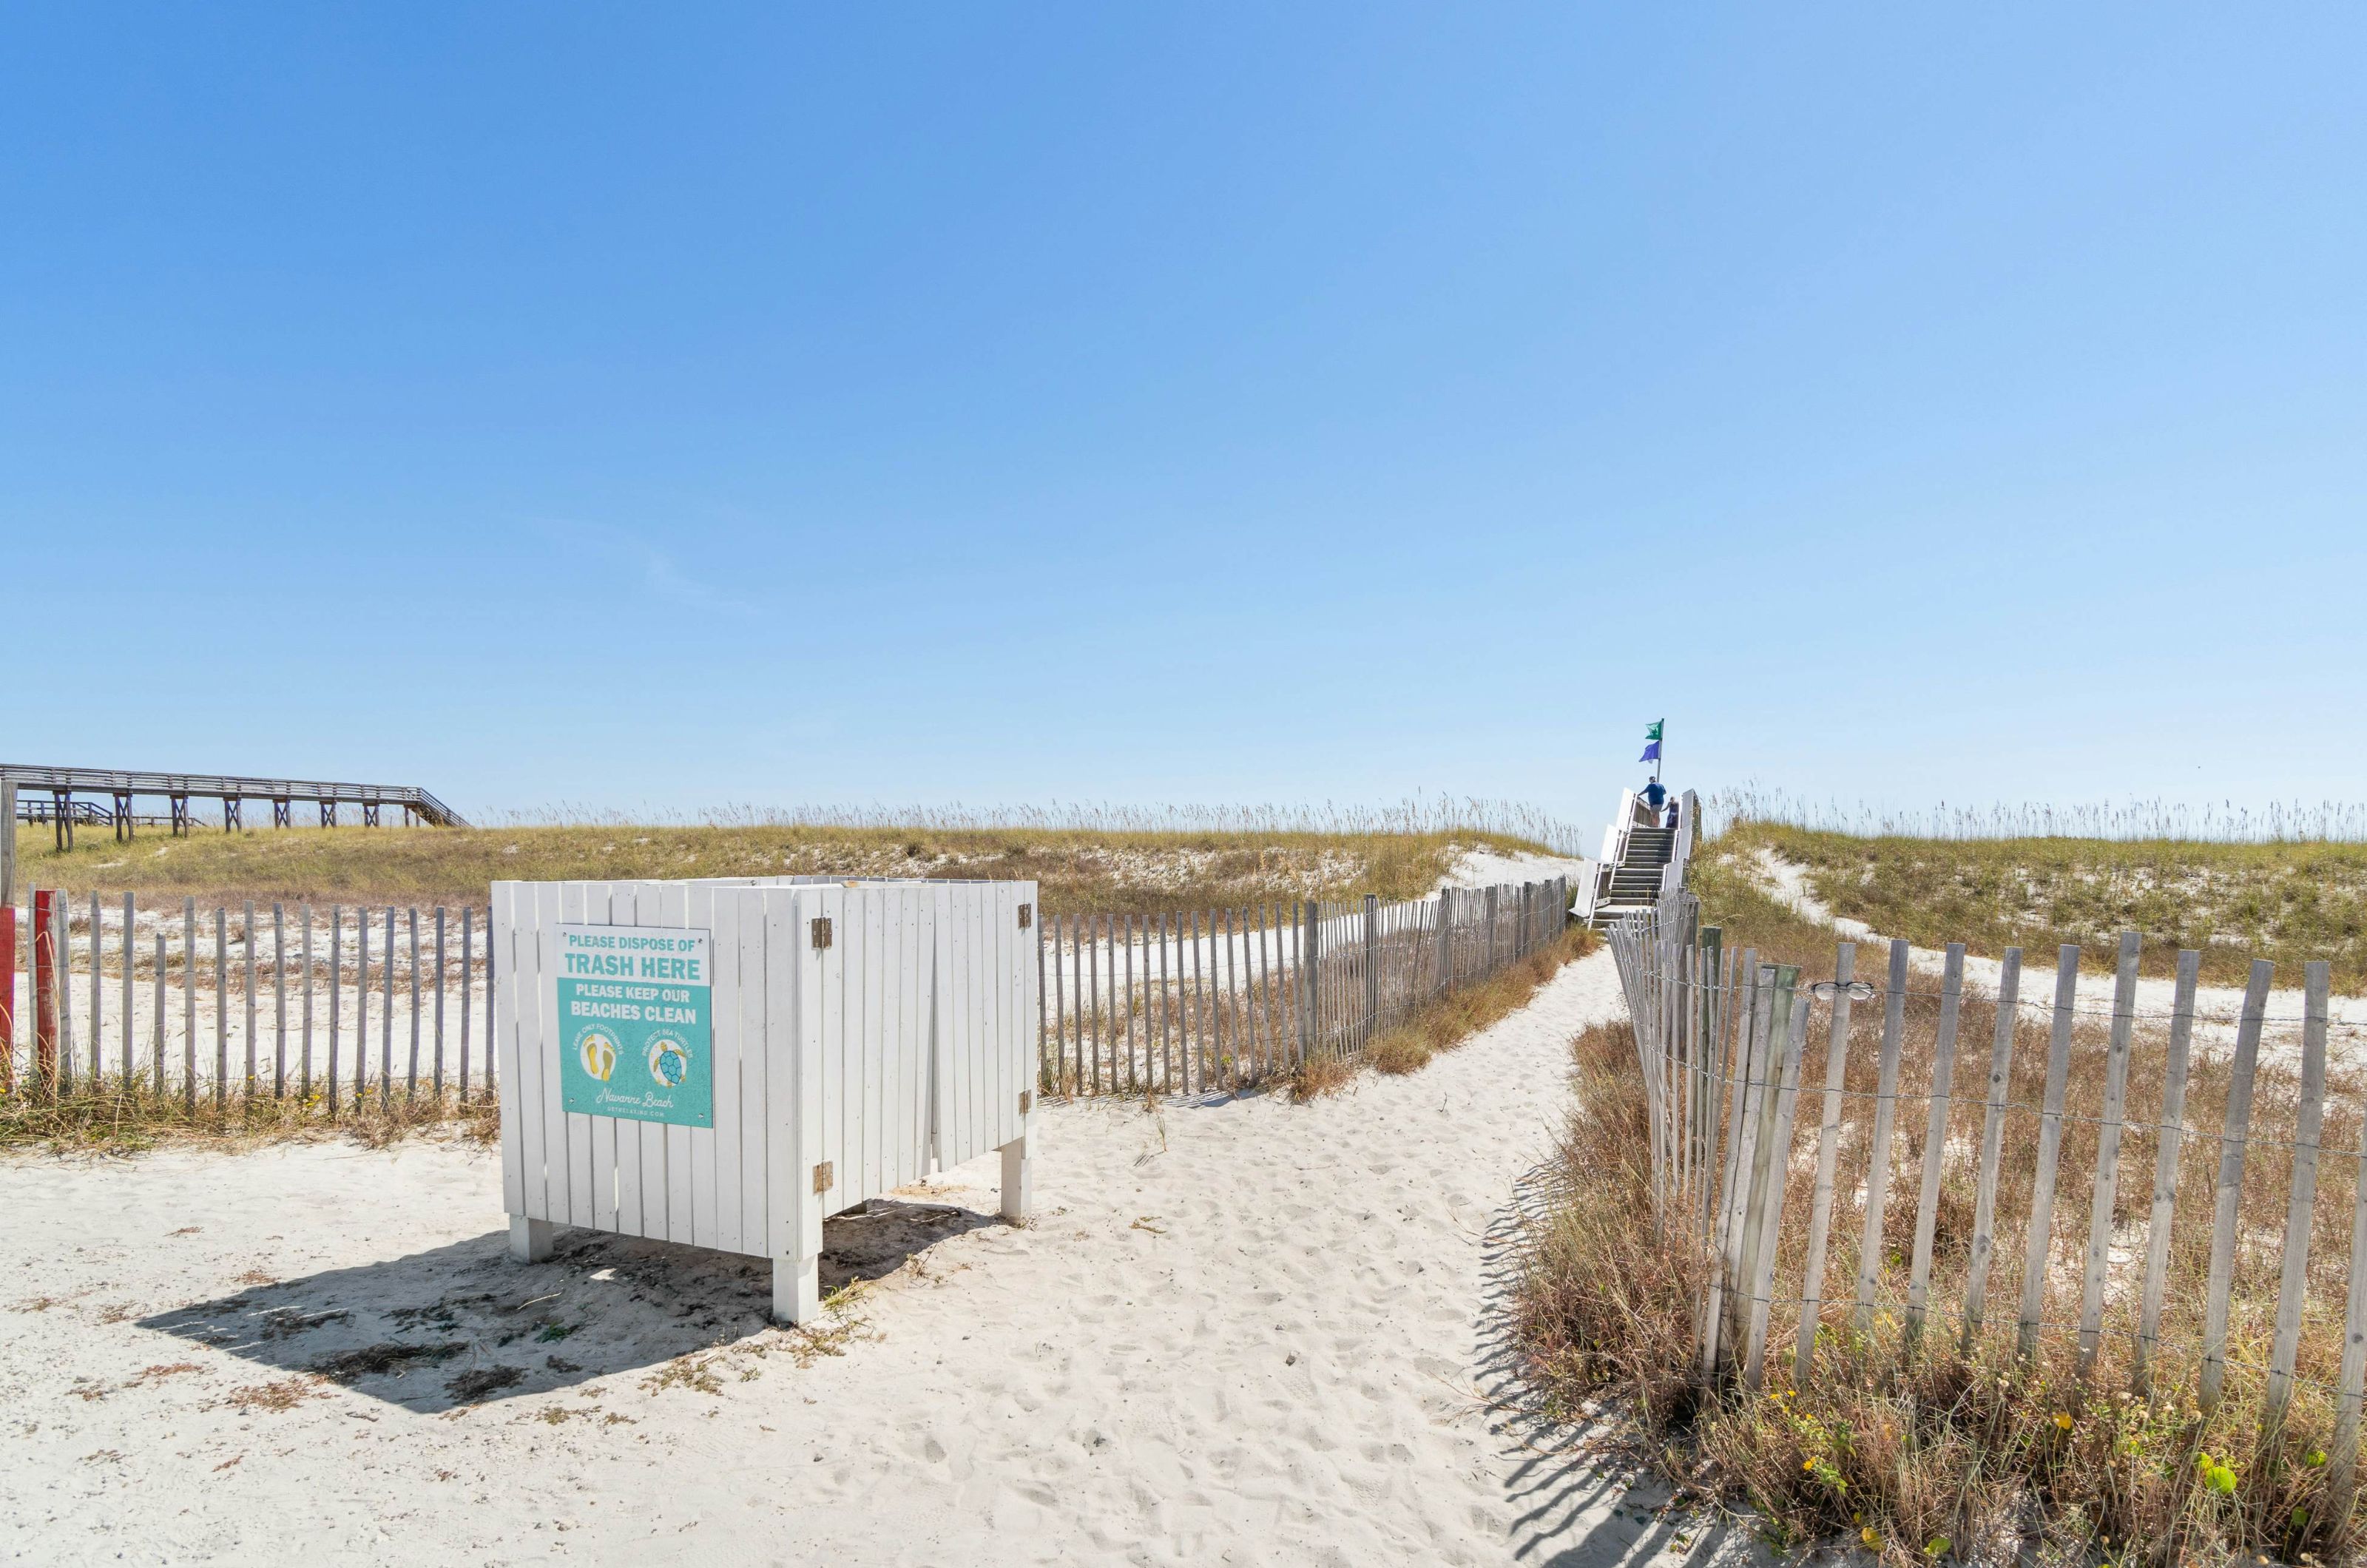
x,y
1952,1446
1112,873
118,1118
1323,1073
1454,1018
1446,1022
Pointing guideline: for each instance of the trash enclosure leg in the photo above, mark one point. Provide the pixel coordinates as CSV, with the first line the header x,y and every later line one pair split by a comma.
x,y
1016,1198
531,1239
797,1289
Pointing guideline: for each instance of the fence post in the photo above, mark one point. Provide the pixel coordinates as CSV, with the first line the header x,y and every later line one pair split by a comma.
x,y
2165,1183
1490,969
1820,1201
2050,1149
2295,1284
44,969
7,935
1878,1152
1310,954
2108,1157
1372,964
1445,942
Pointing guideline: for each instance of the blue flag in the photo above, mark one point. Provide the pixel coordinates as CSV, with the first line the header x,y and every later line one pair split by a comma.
x,y
1651,752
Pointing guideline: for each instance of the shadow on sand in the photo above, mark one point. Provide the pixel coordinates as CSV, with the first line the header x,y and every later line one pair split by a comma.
x,y
462,1324
1578,1505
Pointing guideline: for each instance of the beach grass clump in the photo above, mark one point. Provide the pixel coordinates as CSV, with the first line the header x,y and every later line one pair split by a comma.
x,y
116,1116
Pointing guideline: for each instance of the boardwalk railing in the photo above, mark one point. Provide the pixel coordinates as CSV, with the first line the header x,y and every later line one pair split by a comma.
x,y
1180,1003
2141,1172
328,1003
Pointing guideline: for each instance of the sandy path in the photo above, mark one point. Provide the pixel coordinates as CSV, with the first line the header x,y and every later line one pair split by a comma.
x,y
1238,1332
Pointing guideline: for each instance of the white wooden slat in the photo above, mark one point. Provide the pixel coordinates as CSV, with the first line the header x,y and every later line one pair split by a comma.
x,y
1983,1248
544,1068
647,1138
968,939
1001,916
1018,1075
873,1038
738,913
1935,1138
2164,1170
709,912
787,1052
832,973
1779,1167
1878,1150
2343,1453
1762,1054
984,1003
2229,1196
598,904
986,941
500,937
2041,1235
1768,1155
944,1123
1737,1063
768,1004
917,934
2108,1156
2300,1201
582,1207
941,1051
680,1210
887,959
1820,1202
821,1021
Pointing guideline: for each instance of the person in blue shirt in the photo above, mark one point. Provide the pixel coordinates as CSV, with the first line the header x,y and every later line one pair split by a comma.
x,y
1654,794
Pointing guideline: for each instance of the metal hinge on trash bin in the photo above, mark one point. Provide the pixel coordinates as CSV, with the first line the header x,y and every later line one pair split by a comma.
x,y
821,933
822,1179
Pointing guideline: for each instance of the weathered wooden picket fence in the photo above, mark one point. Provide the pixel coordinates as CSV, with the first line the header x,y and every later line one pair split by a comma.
x,y
1963,1191
242,1002
1175,1004
269,1002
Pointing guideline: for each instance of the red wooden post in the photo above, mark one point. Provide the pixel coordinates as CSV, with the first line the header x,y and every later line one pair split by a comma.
x,y
7,990
45,990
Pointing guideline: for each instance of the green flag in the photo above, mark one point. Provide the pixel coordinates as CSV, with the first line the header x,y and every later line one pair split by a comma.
x,y
1652,730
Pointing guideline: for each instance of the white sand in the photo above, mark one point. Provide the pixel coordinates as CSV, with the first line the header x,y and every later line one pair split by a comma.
x,y
1489,868
1238,1332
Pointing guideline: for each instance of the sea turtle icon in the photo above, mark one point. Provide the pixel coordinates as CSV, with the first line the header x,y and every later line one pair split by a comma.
x,y
669,1063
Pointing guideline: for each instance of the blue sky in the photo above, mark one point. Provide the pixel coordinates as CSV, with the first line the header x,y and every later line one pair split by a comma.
x,y
676,407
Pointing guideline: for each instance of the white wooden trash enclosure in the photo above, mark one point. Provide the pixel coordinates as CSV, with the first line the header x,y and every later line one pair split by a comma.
x,y
859,1035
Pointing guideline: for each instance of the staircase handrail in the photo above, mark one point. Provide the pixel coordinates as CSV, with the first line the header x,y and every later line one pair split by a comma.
x,y
1680,843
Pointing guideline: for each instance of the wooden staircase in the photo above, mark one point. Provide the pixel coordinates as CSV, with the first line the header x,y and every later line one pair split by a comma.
x,y
1641,857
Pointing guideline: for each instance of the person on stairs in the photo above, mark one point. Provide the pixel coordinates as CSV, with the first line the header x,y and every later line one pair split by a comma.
x,y
1654,795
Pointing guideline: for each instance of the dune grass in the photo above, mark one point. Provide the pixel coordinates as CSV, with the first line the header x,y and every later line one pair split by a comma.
x,y
1079,869
2288,902
1949,1446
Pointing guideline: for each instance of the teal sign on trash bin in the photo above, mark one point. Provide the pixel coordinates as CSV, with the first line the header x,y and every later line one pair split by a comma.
x,y
636,1024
